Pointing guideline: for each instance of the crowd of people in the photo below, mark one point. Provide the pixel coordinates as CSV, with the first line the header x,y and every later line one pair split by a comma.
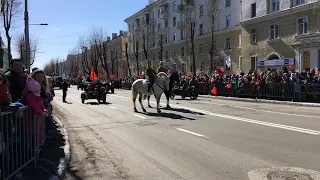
x,y
18,89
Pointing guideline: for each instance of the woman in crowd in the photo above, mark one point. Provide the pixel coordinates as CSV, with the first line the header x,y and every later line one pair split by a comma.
x,y
5,98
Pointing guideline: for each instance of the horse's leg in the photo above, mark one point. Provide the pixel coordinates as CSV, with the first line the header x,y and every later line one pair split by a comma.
x,y
149,102
134,97
168,97
140,100
158,103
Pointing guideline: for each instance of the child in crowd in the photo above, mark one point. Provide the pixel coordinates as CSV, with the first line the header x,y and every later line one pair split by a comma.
x,y
31,98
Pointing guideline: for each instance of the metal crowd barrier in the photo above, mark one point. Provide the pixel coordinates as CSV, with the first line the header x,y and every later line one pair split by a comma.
x,y
22,134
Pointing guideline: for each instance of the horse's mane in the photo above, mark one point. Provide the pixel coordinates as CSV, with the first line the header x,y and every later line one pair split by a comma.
x,y
163,74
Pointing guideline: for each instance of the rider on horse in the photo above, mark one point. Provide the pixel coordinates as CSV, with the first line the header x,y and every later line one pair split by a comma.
x,y
161,68
150,75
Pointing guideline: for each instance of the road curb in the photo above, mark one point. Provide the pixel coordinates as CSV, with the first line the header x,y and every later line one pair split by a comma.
x,y
64,162
264,101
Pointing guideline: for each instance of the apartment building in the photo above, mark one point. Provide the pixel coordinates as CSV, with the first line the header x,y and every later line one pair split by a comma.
x,y
116,53
280,32
167,19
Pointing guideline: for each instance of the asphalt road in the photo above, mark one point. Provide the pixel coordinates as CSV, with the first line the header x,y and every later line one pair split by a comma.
x,y
203,139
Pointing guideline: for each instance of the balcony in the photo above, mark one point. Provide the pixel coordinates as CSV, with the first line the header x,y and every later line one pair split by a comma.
x,y
180,8
164,15
180,25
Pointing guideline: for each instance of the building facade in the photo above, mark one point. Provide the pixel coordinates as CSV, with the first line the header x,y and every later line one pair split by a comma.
x,y
167,20
280,32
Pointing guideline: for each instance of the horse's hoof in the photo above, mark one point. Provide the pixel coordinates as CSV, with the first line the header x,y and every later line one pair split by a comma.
x,y
135,110
144,110
158,111
169,107
149,106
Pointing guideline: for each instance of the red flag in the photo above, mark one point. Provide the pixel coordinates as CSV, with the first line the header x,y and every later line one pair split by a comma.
x,y
93,75
214,91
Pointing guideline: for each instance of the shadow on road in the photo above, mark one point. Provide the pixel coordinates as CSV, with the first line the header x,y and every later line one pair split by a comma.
x,y
167,115
95,103
185,111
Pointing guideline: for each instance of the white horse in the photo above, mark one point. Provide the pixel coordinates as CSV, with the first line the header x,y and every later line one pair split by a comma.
x,y
140,86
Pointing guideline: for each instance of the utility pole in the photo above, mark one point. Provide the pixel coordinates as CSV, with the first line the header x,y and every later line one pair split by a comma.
x,y
26,34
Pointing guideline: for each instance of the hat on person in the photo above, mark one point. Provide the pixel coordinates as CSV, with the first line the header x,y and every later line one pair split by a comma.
x,y
32,85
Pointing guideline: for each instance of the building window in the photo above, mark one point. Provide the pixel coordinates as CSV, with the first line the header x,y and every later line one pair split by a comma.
x,y
253,63
228,3
181,35
201,12
228,21
303,25
274,31
174,6
167,54
201,29
183,67
214,45
228,43
201,66
166,23
174,36
182,51
200,48
240,40
275,5
174,22
299,2
253,10
253,35
240,62
173,52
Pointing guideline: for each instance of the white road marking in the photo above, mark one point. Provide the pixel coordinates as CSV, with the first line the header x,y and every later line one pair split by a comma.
x,y
280,126
274,112
139,116
113,107
190,132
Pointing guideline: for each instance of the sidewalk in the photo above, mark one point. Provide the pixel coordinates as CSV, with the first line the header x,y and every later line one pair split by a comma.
x,y
53,158
263,101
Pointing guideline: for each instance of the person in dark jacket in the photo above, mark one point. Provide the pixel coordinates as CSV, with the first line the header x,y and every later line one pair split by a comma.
x,y
17,80
161,68
150,75
64,90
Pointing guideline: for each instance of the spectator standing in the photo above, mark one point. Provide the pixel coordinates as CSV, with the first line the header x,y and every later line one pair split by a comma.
x,y
16,79
64,90
4,92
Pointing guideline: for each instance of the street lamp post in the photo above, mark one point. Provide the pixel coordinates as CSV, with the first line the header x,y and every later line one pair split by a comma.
x,y
26,34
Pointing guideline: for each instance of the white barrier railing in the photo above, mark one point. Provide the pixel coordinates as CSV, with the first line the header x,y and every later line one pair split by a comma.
x,y
22,133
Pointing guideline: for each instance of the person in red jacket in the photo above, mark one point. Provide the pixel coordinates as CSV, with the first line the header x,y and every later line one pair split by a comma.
x,y
31,98
5,98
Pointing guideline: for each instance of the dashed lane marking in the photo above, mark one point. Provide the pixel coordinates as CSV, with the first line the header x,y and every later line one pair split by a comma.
x,y
190,132
113,107
142,117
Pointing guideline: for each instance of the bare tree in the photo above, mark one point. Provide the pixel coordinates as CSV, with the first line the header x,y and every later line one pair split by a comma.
x,y
97,37
212,12
49,68
190,23
162,34
147,33
134,42
10,10
126,48
73,63
20,46
82,44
